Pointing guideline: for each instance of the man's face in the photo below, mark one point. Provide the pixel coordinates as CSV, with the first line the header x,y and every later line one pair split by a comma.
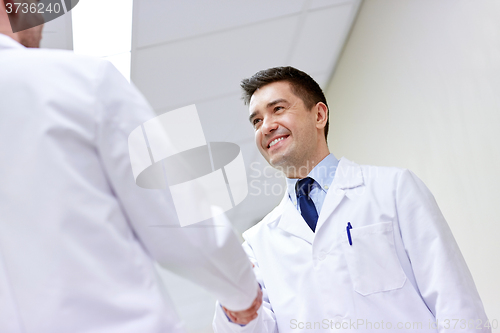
x,y
286,132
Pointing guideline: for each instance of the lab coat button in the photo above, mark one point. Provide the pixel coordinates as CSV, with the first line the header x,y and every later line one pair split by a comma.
x,y
321,256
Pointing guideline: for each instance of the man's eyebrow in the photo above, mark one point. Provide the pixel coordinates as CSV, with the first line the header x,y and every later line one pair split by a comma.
x,y
276,101
252,116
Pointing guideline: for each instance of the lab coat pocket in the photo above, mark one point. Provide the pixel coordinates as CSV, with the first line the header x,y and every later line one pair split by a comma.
x,y
372,260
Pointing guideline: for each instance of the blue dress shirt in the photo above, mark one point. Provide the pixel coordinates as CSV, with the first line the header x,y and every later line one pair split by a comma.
x,y
323,174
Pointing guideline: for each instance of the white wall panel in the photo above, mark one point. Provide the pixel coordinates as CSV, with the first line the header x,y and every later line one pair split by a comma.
x,y
58,33
417,87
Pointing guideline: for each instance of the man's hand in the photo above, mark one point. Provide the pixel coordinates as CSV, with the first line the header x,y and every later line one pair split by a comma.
x,y
245,316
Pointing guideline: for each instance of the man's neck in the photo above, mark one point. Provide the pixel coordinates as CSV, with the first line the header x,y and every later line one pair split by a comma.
x,y
303,170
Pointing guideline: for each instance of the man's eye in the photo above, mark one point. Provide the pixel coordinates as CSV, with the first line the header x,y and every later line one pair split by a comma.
x,y
255,122
278,108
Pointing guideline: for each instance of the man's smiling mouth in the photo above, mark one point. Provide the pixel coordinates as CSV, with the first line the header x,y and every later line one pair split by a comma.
x,y
275,141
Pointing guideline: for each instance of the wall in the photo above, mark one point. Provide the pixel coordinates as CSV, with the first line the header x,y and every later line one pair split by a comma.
x,y
418,86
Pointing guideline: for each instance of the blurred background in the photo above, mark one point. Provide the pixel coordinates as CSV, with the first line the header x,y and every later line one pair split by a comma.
x,y
413,84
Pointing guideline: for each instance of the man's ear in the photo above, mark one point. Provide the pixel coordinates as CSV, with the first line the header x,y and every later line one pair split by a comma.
x,y
321,115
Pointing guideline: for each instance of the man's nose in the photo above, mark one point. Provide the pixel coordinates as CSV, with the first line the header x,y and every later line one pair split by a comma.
x,y
268,126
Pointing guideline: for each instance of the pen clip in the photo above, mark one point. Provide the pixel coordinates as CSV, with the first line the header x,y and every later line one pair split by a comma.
x,y
348,228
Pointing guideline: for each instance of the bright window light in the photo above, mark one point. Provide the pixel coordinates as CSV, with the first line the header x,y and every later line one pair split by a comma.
x,y
103,28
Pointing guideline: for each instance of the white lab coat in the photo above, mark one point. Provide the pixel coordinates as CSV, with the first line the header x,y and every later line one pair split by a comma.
x,y
78,237
403,266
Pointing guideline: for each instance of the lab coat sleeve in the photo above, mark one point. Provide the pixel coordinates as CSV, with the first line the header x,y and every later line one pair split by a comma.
x,y
441,274
209,256
265,321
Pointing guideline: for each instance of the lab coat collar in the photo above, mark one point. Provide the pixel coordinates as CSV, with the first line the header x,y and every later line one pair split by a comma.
x,y
7,42
286,217
347,177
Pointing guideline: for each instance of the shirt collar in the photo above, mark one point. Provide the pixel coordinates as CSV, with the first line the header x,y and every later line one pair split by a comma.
x,y
7,42
322,173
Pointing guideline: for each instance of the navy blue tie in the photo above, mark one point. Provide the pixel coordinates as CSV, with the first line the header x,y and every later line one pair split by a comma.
x,y
307,208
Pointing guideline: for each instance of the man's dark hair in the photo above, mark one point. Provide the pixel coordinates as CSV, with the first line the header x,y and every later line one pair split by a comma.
x,y
302,85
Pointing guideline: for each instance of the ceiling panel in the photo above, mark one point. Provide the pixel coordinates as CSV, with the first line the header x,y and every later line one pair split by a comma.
x,y
316,4
160,21
321,38
193,70
229,122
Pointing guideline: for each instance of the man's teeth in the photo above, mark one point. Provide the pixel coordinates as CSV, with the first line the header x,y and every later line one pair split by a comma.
x,y
275,141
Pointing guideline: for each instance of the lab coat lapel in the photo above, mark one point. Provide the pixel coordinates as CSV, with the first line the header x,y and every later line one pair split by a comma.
x,y
290,220
347,177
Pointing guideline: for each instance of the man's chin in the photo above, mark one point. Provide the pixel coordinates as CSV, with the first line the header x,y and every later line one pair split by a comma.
x,y
278,162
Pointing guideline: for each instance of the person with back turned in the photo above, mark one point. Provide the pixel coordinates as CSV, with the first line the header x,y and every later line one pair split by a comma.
x,y
77,246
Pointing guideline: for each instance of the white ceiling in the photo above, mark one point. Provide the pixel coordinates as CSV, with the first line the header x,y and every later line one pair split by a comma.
x,y
195,51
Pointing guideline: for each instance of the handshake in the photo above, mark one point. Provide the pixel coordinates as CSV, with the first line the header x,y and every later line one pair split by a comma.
x,y
245,316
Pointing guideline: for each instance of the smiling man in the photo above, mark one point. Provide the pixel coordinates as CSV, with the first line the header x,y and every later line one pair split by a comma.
x,y
350,247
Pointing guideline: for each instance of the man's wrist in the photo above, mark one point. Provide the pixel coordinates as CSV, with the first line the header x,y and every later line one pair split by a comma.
x,y
223,310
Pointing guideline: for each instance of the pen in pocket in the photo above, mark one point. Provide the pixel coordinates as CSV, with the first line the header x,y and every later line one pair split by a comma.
x,y
348,228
